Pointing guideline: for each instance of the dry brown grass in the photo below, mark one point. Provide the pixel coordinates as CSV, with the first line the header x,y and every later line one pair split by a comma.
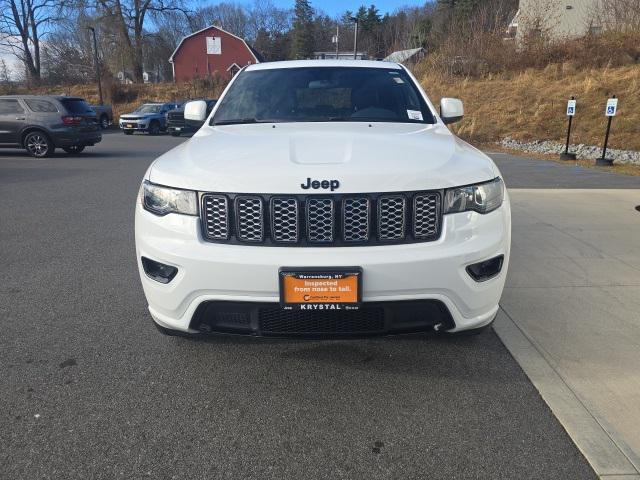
x,y
530,105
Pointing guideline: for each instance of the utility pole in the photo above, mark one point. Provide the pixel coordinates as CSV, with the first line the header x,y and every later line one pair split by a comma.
x,y
355,38
337,40
95,58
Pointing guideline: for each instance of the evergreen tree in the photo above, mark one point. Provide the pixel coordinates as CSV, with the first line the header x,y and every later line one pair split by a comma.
x,y
371,19
303,32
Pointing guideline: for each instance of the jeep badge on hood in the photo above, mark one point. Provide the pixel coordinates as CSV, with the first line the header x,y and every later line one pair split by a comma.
x,y
325,184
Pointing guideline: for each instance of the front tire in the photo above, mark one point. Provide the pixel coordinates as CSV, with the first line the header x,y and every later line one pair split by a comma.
x,y
104,122
74,149
38,145
154,128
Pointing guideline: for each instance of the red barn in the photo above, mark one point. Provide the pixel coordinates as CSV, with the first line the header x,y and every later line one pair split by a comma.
x,y
210,50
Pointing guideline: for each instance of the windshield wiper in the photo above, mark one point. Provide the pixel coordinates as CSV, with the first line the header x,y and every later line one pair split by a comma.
x,y
237,121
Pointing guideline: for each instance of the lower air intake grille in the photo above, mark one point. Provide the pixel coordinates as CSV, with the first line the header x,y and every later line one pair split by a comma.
x,y
269,319
276,320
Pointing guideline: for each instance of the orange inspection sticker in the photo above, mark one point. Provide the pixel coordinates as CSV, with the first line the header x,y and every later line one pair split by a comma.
x,y
320,287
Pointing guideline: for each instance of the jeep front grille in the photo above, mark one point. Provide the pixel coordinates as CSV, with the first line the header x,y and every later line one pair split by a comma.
x,y
322,220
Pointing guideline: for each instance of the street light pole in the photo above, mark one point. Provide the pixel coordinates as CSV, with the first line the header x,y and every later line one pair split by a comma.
x,y
355,38
95,57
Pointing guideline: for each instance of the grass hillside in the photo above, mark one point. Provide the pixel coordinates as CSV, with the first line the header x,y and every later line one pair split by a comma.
x,y
531,105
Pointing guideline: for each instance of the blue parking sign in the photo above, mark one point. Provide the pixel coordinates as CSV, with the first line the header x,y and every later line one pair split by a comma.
x,y
571,108
612,107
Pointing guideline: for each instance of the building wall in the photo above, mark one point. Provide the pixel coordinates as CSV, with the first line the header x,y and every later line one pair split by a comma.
x,y
192,60
558,19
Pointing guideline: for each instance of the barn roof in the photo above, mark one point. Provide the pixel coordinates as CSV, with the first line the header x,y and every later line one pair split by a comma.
x,y
217,28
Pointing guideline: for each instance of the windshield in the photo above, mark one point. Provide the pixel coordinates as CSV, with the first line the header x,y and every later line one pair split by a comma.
x,y
323,94
149,108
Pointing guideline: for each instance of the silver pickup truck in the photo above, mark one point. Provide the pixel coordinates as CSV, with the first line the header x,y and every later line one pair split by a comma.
x,y
104,113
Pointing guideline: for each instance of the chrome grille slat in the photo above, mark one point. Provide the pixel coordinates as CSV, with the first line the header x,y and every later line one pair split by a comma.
x,y
250,219
426,209
391,217
284,220
321,220
355,219
216,209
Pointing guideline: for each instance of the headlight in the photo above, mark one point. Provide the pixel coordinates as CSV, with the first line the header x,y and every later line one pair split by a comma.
x,y
482,197
163,200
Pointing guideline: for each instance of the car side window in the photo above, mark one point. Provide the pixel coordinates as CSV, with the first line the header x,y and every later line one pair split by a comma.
x,y
40,106
10,105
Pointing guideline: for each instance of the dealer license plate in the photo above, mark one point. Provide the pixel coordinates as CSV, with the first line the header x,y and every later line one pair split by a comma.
x,y
320,288
131,125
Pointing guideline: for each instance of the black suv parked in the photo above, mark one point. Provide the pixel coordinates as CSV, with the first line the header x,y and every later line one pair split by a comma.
x,y
40,124
175,120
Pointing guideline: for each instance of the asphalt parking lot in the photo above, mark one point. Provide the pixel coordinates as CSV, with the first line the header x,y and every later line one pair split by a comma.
x,y
91,390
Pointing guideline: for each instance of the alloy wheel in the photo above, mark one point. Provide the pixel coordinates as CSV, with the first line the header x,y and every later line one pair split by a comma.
x,y
37,145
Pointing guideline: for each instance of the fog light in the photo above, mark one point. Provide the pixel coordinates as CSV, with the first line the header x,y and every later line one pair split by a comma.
x,y
485,270
158,271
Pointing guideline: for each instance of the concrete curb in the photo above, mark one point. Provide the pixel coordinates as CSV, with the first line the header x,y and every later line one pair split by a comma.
x,y
601,451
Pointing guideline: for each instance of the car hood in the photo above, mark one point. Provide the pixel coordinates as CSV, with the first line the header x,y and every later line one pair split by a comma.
x,y
135,115
363,157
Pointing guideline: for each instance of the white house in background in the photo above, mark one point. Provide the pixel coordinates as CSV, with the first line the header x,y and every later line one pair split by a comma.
x,y
340,56
556,19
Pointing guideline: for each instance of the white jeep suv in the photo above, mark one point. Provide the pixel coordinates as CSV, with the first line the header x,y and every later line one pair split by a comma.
x,y
323,198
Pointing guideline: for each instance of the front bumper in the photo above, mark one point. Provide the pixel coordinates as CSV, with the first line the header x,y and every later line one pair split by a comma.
x,y
209,272
135,125
178,128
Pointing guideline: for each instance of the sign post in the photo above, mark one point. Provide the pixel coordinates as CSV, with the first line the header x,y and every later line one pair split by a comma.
x,y
571,111
610,112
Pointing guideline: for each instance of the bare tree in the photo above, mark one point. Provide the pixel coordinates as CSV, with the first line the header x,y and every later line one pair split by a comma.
x,y
128,18
264,15
23,24
5,74
230,16
620,15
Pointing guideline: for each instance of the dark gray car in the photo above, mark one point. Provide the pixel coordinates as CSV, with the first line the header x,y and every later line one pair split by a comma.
x,y
40,124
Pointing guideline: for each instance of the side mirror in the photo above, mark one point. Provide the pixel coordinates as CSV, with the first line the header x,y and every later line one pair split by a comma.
x,y
451,110
195,113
